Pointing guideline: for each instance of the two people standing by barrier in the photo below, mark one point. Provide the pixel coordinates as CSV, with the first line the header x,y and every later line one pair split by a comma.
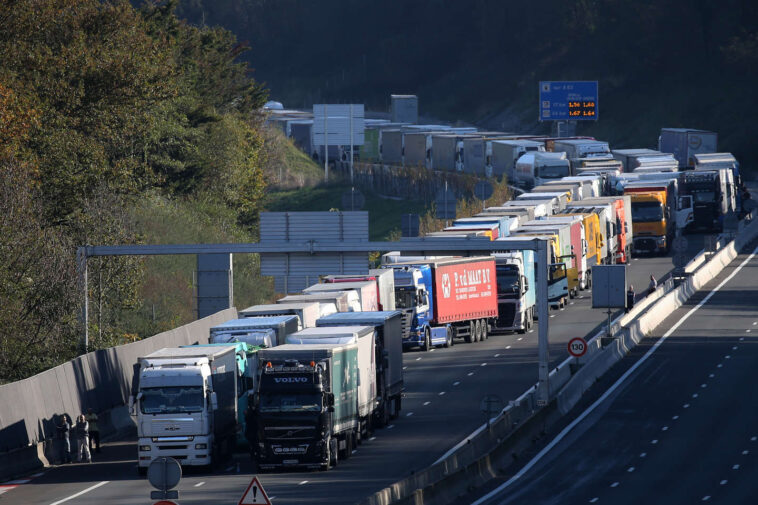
x,y
81,431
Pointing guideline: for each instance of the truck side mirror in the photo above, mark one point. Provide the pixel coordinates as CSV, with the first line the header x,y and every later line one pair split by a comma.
x,y
525,284
214,401
330,401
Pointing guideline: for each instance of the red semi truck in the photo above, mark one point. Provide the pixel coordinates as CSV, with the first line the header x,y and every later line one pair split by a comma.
x,y
444,299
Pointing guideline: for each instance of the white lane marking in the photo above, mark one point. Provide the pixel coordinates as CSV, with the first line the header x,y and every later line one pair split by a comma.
x,y
675,418
520,339
654,441
694,395
755,322
354,451
703,385
630,469
507,347
432,349
719,365
736,467
745,453
727,357
552,315
456,383
483,364
199,484
723,482
81,492
304,482
636,259
426,403
390,426
615,484
229,469
531,331
613,388
441,393
418,359
711,376
409,414
372,439
571,303
742,338
405,368
665,428
643,454
470,374
594,499
271,497
706,498
747,331
752,439
497,355
734,347
686,405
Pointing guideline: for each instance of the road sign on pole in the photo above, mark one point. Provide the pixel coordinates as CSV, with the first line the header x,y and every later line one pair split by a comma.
x,y
254,494
568,101
164,474
577,347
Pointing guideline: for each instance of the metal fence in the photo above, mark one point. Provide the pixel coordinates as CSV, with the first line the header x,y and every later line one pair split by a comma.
x,y
100,380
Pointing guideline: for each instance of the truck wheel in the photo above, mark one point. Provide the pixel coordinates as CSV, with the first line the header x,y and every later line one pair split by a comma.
x,y
427,341
477,331
485,329
471,337
530,320
449,338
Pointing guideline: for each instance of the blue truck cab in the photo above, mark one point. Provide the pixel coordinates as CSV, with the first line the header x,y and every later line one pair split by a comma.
x,y
414,297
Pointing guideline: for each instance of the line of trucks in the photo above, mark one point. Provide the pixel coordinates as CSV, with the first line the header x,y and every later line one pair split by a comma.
x,y
301,382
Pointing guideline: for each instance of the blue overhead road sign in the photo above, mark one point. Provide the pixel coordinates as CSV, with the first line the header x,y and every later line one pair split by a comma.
x,y
568,101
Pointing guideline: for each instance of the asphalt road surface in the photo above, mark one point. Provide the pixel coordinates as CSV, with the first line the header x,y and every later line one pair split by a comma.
x,y
444,389
673,422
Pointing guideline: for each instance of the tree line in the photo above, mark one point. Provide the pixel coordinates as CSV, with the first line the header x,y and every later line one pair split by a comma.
x,y
101,105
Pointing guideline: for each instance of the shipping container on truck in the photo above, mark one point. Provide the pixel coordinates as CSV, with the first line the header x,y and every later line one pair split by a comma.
x,y
558,199
392,146
460,233
385,285
539,207
713,197
685,143
343,301
606,239
185,403
366,291
446,299
630,157
417,147
389,356
253,330
581,148
592,185
447,151
491,230
404,108
364,336
506,152
566,233
504,223
510,217
575,188
475,149
314,388
622,223
307,313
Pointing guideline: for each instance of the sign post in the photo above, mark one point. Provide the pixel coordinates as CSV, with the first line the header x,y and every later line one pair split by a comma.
x,y
577,347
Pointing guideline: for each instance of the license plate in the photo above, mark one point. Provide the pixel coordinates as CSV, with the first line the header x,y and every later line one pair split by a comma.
x,y
290,461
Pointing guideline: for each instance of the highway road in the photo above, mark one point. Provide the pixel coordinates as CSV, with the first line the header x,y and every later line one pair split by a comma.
x,y
673,422
444,389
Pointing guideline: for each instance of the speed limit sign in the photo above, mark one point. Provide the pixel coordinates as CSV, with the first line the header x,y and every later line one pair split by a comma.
x,y
577,347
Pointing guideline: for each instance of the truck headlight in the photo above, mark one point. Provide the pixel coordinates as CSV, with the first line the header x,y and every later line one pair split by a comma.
x,y
201,446
661,240
144,448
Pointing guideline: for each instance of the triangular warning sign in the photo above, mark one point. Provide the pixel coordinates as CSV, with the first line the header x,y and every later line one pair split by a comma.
x,y
254,495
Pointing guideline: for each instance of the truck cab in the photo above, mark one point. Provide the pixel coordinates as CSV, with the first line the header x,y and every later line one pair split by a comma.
x,y
515,291
412,297
651,220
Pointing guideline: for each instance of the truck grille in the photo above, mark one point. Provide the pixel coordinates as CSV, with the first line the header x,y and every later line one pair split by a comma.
x,y
645,244
506,315
290,432
405,323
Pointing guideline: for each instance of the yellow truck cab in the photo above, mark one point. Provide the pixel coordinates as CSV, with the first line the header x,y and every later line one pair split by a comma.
x,y
652,226
593,237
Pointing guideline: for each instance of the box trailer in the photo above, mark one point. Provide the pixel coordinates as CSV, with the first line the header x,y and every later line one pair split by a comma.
x,y
366,291
266,331
307,313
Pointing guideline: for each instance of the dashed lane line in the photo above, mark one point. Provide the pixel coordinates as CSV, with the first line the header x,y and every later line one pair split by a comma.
x,y
77,495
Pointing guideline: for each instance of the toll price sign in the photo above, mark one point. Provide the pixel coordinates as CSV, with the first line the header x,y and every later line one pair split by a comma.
x,y
568,101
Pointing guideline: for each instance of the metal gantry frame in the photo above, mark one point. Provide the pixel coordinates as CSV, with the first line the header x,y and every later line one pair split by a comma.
x,y
423,246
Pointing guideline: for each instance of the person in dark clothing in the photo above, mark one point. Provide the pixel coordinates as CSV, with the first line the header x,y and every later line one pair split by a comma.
x,y
630,298
64,431
94,431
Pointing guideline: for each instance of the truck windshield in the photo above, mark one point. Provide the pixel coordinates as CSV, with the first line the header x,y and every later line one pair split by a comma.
x,y
552,171
507,282
290,402
704,196
169,400
647,212
405,298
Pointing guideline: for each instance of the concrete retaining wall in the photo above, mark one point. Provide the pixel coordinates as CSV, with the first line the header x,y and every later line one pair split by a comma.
x,y
100,380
